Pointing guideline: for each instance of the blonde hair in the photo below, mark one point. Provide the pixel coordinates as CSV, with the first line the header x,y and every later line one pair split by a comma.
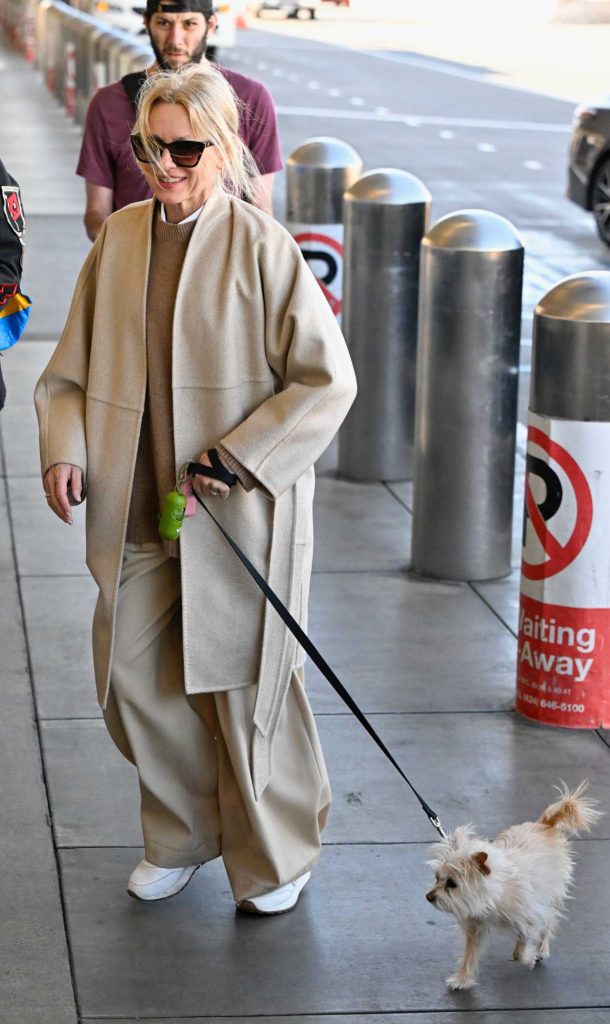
x,y
213,111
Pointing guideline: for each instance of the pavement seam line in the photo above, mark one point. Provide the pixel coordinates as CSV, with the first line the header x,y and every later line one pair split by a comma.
x,y
473,587
43,765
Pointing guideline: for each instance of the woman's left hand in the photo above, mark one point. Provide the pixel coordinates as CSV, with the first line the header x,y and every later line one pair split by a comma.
x,y
206,485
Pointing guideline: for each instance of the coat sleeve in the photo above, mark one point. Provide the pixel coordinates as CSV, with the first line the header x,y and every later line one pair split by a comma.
x,y
285,435
60,394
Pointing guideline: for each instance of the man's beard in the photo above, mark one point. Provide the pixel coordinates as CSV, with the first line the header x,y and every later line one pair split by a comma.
x,y
194,58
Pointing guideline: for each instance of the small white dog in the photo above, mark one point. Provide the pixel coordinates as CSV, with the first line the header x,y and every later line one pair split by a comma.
x,y
519,882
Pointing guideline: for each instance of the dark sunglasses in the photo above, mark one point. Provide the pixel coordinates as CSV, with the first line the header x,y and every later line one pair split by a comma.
x,y
184,152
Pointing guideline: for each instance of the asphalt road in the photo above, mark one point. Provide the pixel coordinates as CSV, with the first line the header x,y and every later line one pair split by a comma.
x,y
473,142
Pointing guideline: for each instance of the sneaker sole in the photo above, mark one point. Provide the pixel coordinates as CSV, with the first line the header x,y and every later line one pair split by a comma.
x,y
167,893
248,907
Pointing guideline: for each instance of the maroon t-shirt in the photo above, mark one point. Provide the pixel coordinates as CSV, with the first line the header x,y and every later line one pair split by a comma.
x,y
106,157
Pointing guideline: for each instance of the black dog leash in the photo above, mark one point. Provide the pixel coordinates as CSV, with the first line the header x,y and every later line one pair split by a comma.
x,y
218,472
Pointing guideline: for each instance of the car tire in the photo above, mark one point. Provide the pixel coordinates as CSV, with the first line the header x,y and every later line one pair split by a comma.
x,y
600,200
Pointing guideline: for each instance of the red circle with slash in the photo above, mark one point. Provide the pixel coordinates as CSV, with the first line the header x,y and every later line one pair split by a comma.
x,y
559,555
332,243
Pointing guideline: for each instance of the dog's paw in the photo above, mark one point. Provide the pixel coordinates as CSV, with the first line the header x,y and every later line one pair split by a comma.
x,y
526,954
459,982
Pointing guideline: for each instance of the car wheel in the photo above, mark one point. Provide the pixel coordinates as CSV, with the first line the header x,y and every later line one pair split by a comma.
x,y
600,201
305,12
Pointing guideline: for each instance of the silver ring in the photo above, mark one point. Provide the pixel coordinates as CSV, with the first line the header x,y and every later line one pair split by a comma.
x,y
215,493
47,494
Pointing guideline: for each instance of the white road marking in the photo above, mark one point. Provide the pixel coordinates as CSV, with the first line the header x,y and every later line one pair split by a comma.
x,y
442,68
532,165
381,110
486,147
262,65
357,101
313,85
424,119
293,77
445,134
334,92
277,72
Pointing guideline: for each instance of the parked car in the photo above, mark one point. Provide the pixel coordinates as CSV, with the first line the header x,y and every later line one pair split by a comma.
x,y
589,164
117,14
224,37
293,8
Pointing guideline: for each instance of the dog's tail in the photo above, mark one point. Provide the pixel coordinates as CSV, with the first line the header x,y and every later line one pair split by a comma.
x,y
573,812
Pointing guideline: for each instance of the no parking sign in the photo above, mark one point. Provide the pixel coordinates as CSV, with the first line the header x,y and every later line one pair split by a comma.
x,y
564,616
322,247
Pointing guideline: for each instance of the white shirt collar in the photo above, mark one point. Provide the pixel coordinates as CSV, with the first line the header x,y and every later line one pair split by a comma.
x,y
187,220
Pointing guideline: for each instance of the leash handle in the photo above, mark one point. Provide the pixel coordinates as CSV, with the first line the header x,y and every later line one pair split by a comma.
x,y
216,471
320,663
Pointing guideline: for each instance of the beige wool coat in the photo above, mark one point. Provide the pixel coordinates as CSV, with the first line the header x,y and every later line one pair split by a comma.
x,y
258,364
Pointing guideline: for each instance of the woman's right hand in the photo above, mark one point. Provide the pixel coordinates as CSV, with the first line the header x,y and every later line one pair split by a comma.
x,y
58,480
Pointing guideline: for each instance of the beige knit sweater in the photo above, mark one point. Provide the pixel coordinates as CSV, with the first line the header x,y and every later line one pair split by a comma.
x,y
155,471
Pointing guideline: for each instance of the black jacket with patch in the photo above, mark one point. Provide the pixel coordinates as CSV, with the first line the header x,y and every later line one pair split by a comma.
x,y
11,246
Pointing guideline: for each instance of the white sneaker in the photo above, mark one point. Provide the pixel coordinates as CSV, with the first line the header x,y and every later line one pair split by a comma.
x,y
277,902
148,882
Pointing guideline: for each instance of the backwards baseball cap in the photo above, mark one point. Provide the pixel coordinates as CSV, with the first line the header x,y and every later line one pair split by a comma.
x,y
205,7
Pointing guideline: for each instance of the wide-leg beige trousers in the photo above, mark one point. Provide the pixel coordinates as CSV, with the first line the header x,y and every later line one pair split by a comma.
x,y
192,752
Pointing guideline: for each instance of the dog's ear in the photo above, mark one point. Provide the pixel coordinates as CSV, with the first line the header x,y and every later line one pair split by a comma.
x,y
480,859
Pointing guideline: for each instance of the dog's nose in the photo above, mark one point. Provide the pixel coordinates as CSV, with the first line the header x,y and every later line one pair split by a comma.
x,y
431,896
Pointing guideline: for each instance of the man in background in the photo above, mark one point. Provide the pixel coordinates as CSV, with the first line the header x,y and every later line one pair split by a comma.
x,y
179,31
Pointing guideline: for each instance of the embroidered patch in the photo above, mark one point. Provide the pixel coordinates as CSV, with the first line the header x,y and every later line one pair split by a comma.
x,y
13,209
7,291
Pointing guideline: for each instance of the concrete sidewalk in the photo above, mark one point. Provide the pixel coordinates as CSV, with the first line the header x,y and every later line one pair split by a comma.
x,y
432,663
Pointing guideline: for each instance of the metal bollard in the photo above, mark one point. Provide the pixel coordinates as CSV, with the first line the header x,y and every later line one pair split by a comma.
x,y
317,175
70,78
29,32
134,56
53,43
386,215
466,403
563,662
100,41
42,36
82,31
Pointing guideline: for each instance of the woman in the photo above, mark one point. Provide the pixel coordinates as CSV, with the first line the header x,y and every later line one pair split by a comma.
x,y
195,325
